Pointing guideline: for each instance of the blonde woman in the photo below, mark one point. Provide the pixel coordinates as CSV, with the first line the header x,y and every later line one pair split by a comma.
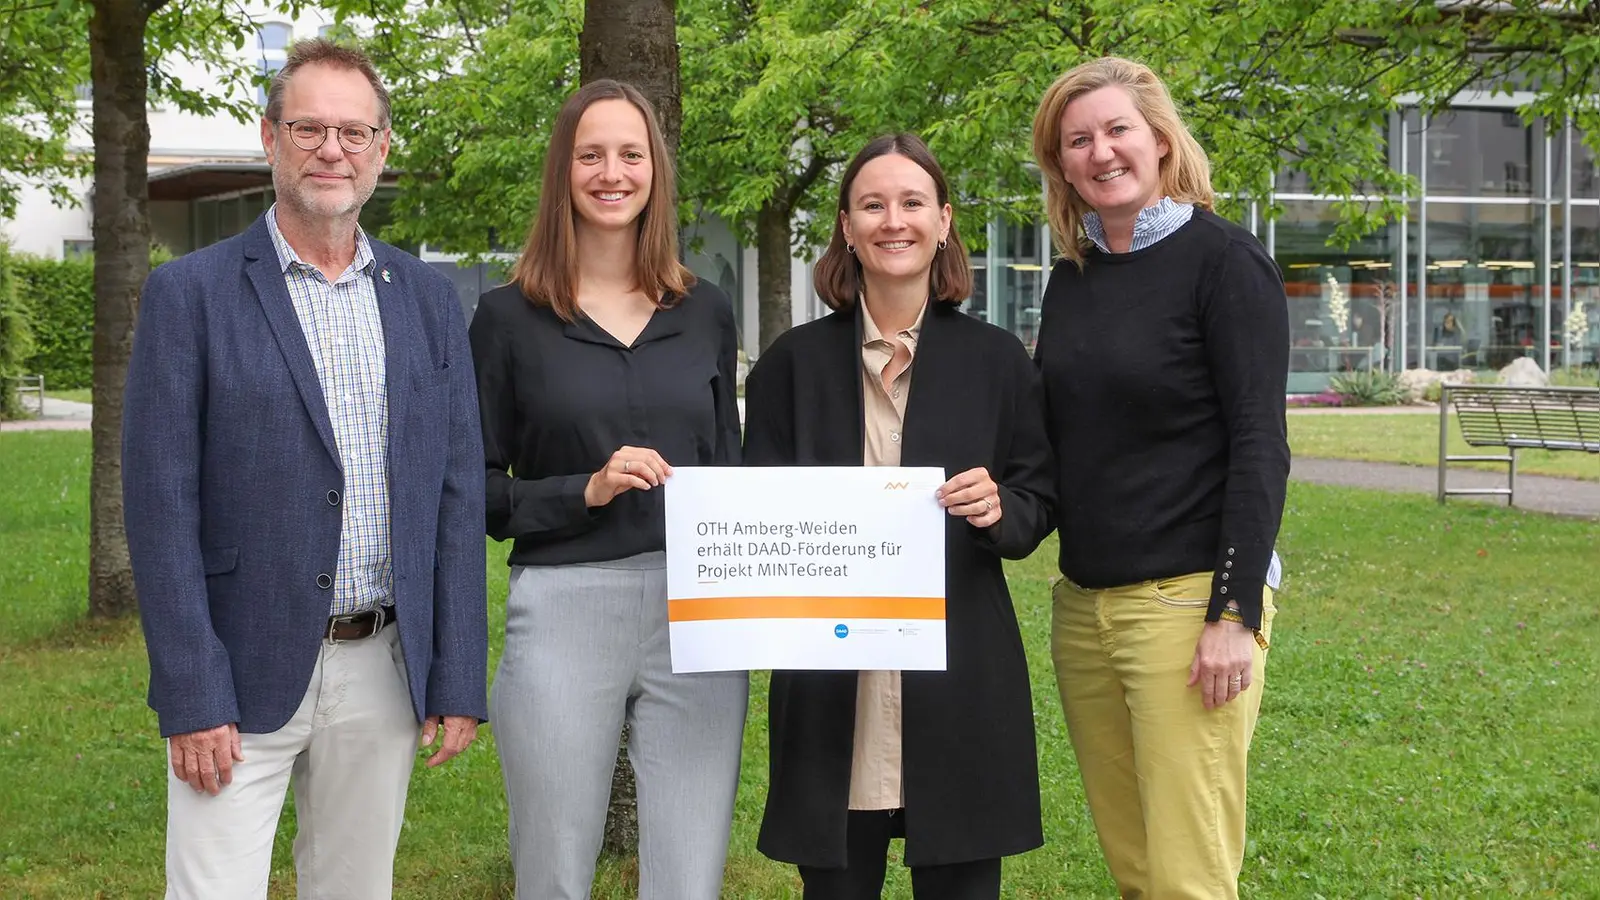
x,y
1164,352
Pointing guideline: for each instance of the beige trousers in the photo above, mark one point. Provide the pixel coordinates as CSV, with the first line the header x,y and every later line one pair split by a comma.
x,y
1164,776
348,752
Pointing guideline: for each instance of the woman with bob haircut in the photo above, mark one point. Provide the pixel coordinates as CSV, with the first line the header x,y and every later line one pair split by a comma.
x,y
1164,345
898,375
600,366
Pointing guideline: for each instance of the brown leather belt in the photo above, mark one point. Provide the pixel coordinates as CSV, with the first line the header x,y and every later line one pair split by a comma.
x,y
356,626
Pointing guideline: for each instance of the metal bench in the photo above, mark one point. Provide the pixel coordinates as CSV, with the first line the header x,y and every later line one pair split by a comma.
x,y
1516,418
32,384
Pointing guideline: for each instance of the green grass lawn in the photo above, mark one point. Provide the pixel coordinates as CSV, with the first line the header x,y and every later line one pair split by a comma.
x,y
1414,440
1429,729
76,395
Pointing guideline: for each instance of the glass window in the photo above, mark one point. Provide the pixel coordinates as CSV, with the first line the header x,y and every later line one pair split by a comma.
x,y
274,36
1479,153
1343,303
1019,280
1585,166
1577,324
1485,294
268,68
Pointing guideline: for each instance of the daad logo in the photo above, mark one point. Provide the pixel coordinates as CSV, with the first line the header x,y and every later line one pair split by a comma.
x,y
841,631
897,485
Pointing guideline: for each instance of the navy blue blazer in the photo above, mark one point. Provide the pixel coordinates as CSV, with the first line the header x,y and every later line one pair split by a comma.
x,y
228,458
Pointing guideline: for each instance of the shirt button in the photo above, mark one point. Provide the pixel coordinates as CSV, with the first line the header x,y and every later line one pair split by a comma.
x,y
896,394
1230,551
324,581
1224,576
1228,564
894,436
333,498
1224,590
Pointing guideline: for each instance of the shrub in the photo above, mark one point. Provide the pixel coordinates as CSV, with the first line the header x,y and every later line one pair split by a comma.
x,y
16,339
1368,388
59,295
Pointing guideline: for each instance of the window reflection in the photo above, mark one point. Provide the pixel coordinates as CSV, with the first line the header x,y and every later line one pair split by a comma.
x,y
1343,302
1485,298
1479,153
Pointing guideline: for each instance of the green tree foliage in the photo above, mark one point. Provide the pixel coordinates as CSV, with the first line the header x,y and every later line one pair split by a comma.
x,y
43,59
777,94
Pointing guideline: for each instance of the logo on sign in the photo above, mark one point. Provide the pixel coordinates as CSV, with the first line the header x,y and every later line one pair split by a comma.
x,y
841,630
897,485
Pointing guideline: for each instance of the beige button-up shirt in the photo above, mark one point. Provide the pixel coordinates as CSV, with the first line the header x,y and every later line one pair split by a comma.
x,y
875,758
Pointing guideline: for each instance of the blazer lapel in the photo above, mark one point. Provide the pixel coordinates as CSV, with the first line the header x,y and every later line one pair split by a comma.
x,y
399,330
267,276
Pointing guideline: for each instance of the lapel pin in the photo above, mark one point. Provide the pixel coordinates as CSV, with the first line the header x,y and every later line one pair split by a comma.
x,y
386,278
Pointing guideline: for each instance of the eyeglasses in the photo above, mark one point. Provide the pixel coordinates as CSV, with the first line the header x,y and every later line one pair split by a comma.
x,y
309,134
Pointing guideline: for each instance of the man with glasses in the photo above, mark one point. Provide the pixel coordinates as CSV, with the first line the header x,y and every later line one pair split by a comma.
x,y
303,479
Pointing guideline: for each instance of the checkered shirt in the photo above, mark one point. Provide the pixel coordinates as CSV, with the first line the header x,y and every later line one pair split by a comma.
x,y
345,334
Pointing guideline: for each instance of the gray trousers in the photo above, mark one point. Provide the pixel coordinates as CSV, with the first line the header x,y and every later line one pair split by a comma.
x,y
586,648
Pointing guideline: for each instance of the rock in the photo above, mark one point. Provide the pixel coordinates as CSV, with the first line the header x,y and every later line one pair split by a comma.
x,y
1524,372
1459,376
1415,383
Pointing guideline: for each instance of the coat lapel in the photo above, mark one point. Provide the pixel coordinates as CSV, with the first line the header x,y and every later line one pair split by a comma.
x,y
399,330
937,380
266,275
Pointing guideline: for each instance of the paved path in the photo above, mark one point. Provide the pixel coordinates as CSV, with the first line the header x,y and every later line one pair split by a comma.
x,y
59,415
1564,496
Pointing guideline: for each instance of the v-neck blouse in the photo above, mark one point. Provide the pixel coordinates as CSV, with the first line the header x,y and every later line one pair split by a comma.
x,y
558,398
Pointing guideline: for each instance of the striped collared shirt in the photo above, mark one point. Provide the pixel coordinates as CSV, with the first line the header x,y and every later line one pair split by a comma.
x,y
343,329
1152,224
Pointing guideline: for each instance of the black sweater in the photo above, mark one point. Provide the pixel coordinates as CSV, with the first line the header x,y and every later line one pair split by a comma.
x,y
558,398
1164,372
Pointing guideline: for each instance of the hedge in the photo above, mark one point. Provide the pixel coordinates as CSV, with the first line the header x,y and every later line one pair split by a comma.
x,y
16,338
59,296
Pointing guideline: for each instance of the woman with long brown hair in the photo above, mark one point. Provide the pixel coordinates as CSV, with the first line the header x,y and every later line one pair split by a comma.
x,y
600,366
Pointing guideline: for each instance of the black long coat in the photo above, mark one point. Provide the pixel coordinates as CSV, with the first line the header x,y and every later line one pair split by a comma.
x,y
970,767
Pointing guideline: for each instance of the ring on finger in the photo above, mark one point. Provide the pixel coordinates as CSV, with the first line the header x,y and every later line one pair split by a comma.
x,y
988,505
627,465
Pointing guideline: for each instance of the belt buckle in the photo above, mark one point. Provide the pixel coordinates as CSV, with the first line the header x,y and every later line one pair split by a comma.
x,y
352,618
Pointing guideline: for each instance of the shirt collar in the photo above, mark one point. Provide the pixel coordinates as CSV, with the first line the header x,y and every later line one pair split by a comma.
x,y
1151,225
871,334
288,258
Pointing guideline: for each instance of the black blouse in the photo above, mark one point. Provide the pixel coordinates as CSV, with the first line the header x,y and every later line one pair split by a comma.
x,y
557,399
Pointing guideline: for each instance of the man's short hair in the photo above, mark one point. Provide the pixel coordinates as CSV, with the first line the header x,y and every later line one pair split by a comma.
x,y
325,52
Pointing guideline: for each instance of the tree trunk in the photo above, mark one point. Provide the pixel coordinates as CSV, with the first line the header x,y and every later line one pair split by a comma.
x,y
121,262
772,265
635,41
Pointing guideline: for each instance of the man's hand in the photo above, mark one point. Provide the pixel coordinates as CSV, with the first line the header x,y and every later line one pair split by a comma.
x,y
205,759
459,731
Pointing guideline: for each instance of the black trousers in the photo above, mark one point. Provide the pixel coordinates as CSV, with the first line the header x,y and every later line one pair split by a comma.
x,y
867,848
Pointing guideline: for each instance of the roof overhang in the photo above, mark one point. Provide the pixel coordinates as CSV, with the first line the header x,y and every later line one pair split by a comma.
x,y
197,181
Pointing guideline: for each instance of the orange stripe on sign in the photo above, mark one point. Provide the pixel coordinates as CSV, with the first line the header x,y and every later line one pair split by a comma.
x,y
805,608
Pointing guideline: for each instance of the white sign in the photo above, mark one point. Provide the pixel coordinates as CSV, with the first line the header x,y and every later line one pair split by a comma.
x,y
805,568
